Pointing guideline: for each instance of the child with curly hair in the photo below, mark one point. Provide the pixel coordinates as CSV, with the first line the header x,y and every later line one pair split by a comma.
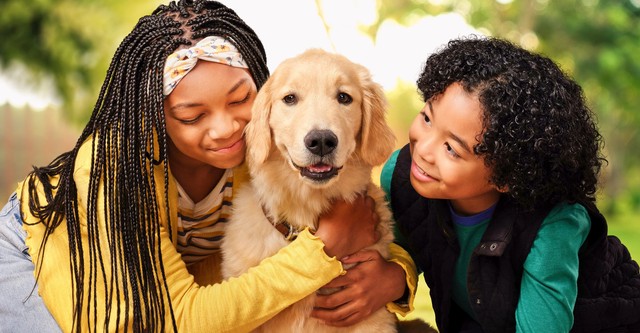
x,y
122,233
494,196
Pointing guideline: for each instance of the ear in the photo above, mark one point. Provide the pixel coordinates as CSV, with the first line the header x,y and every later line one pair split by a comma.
x,y
377,138
258,132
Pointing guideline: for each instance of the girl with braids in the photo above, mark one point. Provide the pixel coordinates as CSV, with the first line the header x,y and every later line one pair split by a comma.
x,y
121,233
494,196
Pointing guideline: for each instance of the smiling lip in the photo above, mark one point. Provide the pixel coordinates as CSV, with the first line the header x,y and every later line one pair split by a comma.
x,y
234,147
420,174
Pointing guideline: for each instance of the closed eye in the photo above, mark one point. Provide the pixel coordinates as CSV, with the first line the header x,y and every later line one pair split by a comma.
x,y
191,121
242,101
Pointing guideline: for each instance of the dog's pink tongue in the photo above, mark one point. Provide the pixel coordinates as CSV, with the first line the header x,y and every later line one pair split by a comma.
x,y
320,167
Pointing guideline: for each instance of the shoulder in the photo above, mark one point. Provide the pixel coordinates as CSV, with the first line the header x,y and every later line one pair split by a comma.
x,y
562,233
82,163
397,166
387,171
569,219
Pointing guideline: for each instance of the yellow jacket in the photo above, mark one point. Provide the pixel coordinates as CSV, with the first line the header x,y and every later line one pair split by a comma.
x,y
202,302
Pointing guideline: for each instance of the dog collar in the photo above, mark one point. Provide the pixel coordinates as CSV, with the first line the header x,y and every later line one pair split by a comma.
x,y
287,230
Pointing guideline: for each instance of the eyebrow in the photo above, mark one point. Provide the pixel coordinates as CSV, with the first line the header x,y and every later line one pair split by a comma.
x,y
191,104
237,85
455,138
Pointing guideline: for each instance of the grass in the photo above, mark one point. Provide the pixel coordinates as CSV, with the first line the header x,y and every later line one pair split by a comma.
x,y
624,227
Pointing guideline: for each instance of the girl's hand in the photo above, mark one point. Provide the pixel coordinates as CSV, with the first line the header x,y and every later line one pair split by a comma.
x,y
366,287
348,227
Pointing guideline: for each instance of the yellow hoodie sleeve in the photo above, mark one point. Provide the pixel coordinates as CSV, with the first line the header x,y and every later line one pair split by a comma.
x,y
402,258
243,303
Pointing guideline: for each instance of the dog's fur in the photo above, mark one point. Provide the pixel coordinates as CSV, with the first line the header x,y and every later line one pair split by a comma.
x,y
294,184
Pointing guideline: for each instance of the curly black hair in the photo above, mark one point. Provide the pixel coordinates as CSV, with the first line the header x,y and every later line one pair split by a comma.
x,y
540,138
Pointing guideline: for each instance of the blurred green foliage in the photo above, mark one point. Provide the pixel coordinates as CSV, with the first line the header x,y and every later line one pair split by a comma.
x,y
69,41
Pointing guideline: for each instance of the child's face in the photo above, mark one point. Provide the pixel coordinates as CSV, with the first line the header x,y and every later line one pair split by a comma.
x,y
206,114
444,165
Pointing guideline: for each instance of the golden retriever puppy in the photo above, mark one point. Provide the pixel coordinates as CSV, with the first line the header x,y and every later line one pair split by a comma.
x,y
317,129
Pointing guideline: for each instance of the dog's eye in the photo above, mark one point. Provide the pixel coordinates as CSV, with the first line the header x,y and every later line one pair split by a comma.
x,y
290,99
344,98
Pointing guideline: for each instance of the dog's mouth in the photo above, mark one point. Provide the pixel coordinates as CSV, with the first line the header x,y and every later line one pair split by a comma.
x,y
319,172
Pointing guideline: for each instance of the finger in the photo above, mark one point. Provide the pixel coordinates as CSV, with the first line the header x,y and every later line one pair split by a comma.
x,y
332,301
344,316
351,319
339,282
360,256
335,316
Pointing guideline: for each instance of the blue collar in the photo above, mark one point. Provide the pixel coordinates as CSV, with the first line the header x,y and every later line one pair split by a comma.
x,y
469,221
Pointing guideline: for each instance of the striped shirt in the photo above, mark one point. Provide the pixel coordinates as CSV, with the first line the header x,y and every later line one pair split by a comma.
x,y
201,224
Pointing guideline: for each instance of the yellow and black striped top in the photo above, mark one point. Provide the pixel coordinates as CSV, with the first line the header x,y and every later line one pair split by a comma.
x,y
201,224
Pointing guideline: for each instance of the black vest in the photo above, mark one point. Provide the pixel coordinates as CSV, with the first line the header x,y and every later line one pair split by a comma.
x,y
608,282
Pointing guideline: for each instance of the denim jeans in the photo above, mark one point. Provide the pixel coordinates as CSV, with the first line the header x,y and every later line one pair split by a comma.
x,y
21,308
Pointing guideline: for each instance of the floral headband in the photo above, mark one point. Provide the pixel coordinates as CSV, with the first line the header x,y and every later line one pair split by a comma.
x,y
212,48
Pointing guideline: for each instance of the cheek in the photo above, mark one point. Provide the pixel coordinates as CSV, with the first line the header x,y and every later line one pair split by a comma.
x,y
242,118
352,124
471,177
171,131
277,120
414,129
245,113
183,136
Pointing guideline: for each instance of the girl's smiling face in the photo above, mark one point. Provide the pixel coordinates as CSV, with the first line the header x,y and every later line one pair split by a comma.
x,y
444,165
206,115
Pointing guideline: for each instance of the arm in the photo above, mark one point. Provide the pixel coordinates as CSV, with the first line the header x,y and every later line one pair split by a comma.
x,y
549,281
241,304
294,272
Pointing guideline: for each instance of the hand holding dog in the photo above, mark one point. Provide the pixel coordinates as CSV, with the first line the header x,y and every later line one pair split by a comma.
x,y
348,227
366,287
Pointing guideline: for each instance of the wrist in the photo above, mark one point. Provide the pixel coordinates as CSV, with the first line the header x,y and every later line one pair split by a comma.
x,y
400,288
324,237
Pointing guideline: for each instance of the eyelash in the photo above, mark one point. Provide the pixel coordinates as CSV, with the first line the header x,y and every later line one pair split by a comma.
x,y
425,117
190,121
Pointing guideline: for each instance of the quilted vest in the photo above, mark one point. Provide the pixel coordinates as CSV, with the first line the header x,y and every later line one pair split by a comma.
x,y
608,282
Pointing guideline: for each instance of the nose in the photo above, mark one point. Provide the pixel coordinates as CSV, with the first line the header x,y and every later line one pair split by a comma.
x,y
321,142
222,127
425,147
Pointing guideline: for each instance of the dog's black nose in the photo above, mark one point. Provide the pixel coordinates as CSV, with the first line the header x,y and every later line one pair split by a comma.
x,y
321,142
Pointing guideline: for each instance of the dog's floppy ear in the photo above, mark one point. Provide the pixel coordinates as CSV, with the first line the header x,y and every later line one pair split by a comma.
x,y
258,132
377,138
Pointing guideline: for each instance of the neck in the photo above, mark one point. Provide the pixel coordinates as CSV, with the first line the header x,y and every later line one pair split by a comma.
x,y
197,179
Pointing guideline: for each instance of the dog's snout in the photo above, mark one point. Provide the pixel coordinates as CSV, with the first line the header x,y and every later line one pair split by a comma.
x,y
321,142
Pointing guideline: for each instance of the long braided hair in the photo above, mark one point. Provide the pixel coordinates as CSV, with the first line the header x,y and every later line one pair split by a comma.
x,y
127,125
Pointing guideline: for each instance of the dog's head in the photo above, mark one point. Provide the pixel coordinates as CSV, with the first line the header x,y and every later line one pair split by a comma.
x,y
317,110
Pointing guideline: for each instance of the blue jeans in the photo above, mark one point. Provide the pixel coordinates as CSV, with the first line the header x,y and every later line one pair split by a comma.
x,y
21,308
